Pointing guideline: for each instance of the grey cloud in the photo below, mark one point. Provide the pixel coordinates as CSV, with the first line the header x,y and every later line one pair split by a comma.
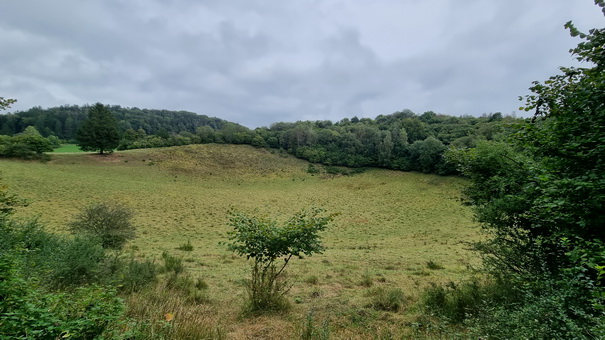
x,y
257,61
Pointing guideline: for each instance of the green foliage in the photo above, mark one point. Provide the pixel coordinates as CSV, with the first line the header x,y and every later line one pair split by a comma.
x,y
109,222
547,314
312,169
5,103
27,145
264,241
541,199
100,131
29,310
78,261
381,142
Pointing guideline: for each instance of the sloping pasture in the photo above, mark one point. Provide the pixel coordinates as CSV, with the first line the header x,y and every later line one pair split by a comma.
x,y
391,224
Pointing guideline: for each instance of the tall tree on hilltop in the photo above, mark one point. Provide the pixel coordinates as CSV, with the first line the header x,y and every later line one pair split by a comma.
x,y
100,131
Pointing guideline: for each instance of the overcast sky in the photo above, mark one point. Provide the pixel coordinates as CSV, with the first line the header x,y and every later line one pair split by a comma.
x,y
256,62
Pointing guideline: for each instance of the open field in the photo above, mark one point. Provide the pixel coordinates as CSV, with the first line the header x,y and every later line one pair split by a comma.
x,y
67,148
390,225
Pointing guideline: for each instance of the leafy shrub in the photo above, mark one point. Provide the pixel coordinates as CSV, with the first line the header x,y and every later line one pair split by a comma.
x,y
27,145
28,310
547,314
264,241
78,261
312,169
110,222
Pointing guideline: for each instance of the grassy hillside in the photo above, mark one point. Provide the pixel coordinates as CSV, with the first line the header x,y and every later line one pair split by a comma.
x,y
390,225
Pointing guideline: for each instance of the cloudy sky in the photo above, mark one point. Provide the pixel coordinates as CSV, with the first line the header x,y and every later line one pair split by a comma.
x,y
256,62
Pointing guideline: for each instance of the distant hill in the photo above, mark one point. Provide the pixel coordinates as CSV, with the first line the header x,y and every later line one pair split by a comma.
x,y
402,140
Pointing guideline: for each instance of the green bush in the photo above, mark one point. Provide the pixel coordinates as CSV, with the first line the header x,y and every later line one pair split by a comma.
x,y
547,314
28,310
79,261
312,169
264,241
110,222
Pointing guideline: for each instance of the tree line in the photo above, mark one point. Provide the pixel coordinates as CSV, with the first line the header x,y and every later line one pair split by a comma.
x,y
64,121
402,140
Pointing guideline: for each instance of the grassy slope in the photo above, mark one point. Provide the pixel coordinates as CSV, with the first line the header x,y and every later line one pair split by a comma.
x,y
391,223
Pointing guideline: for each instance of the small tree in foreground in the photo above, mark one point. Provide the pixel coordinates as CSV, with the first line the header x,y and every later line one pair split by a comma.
x,y
110,222
261,239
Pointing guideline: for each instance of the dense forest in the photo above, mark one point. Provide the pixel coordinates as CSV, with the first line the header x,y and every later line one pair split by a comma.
x,y
402,140
64,121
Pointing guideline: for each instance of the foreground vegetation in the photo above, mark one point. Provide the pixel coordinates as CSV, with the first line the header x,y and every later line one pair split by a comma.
x,y
376,263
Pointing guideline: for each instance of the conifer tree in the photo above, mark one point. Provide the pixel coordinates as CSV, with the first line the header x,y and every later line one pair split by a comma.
x,y
100,131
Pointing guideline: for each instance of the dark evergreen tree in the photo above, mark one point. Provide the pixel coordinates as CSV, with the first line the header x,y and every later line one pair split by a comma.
x,y
100,131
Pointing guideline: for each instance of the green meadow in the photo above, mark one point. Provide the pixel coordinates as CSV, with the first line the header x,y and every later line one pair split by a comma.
x,y
394,229
67,148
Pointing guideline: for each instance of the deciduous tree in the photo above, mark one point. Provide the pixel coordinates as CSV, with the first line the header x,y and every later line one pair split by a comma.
x,y
262,240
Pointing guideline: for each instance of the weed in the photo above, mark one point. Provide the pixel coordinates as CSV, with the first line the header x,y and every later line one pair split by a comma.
x,y
172,264
434,265
391,299
366,280
137,275
456,302
312,332
312,280
186,247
